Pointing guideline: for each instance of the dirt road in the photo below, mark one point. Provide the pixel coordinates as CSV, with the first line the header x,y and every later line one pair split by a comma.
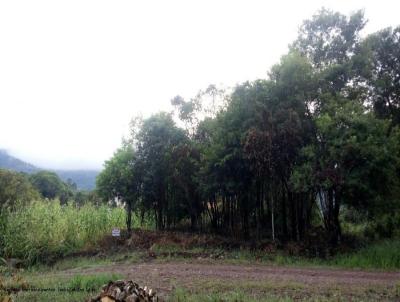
x,y
259,278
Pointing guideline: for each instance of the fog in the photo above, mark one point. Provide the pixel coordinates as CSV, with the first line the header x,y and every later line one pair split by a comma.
x,y
73,73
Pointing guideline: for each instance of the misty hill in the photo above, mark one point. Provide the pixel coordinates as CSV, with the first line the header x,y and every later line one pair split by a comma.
x,y
12,163
84,179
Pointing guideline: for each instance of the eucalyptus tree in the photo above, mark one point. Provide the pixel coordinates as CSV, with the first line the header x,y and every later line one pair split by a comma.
x,y
156,143
120,180
380,58
330,38
320,132
352,162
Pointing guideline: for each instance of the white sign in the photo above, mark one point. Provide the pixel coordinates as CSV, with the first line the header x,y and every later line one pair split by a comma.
x,y
116,232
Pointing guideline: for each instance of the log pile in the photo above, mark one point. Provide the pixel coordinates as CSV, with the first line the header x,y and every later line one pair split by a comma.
x,y
125,291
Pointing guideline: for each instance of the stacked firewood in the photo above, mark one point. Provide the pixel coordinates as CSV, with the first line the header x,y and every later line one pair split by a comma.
x,y
125,291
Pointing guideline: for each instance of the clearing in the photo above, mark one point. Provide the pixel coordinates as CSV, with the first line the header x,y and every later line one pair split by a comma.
x,y
297,283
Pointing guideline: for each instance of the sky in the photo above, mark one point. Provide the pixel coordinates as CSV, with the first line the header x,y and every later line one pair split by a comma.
x,y
73,73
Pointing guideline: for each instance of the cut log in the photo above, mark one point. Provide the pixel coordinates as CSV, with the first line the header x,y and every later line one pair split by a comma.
x,y
107,299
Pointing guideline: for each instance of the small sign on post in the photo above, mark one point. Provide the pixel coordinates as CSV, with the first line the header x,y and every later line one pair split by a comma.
x,y
116,232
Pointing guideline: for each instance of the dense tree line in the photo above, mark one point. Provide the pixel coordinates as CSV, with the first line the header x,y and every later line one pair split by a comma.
x,y
321,132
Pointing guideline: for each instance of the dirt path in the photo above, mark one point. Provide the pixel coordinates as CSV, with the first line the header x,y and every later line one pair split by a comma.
x,y
165,276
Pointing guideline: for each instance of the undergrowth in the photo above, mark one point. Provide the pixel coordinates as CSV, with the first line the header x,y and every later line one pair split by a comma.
x,y
379,255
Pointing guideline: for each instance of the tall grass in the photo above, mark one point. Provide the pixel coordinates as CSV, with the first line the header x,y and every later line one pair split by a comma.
x,y
46,228
379,255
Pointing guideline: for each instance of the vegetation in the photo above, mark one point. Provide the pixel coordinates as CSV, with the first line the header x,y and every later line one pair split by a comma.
x,y
118,180
276,158
382,255
51,186
44,230
286,170
83,179
15,187
74,288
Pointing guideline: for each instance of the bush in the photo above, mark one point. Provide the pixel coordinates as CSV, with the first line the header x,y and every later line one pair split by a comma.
x,y
386,226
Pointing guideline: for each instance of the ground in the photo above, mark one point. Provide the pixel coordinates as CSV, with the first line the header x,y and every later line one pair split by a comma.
x,y
218,280
257,279
203,268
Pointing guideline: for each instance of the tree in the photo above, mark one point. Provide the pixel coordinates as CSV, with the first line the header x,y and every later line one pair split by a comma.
x,y
329,38
118,180
15,187
320,132
206,104
51,186
380,70
155,143
351,162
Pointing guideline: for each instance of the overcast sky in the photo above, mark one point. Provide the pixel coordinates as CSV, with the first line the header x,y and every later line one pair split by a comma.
x,y
73,73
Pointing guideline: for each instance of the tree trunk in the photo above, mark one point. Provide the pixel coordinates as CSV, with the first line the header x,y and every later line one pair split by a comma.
x,y
292,215
284,218
330,205
272,218
129,216
258,210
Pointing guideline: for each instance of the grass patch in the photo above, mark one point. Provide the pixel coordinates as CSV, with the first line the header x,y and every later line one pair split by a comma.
x,y
381,255
55,288
275,291
79,262
182,295
50,297
87,262
91,282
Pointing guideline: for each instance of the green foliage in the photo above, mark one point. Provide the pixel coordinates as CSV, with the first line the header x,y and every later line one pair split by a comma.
x,y
161,149
381,255
320,133
91,282
383,226
378,65
352,160
51,186
15,187
119,180
46,229
329,37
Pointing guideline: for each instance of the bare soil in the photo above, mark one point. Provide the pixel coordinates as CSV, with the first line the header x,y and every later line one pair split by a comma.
x,y
204,272
286,281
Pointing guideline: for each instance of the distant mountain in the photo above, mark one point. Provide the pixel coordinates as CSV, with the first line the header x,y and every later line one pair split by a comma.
x,y
12,163
84,179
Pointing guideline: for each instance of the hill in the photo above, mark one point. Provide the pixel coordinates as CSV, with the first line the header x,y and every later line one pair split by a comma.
x,y
84,179
12,163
